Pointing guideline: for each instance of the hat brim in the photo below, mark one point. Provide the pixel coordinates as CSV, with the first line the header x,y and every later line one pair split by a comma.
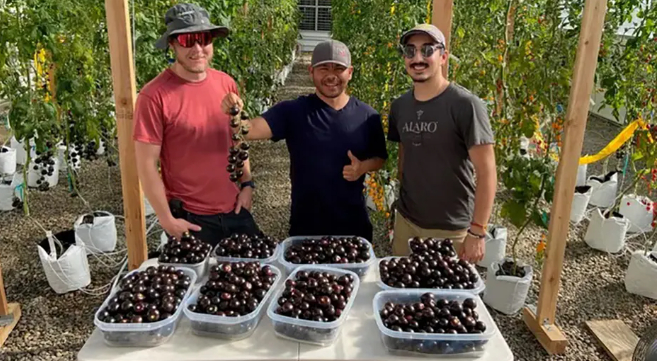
x,y
217,32
410,33
331,62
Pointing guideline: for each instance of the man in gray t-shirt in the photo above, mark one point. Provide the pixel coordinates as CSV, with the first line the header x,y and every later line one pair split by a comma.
x,y
444,135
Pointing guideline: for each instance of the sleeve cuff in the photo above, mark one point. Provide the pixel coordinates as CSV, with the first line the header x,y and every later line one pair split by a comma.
x,y
277,134
147,140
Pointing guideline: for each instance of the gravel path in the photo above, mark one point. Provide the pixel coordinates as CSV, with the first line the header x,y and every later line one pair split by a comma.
x,y
55,327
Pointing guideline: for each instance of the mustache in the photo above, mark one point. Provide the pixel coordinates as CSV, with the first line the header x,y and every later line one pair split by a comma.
x,y
332,80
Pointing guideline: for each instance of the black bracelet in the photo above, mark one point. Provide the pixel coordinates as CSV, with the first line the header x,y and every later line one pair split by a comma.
x,y
249,183
475,235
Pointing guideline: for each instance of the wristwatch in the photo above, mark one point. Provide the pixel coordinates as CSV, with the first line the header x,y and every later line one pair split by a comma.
x,y
248,184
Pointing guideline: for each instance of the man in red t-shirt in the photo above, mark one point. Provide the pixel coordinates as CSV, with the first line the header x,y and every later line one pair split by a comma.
x,y
179,121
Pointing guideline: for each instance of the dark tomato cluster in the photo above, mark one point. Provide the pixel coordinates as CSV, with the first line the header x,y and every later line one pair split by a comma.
x,y
234,289
428,271
245,246
44,165
239,151
328,250
187,250
316,296
433,315
147,296
431,247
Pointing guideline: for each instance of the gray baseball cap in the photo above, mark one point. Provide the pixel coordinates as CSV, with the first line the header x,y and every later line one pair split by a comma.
x,y
332,51
428,29
188,18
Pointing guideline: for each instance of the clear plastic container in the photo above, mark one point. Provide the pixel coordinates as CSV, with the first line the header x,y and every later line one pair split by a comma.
x,y
306,331
142,334
269,260
479,285
229,328
199,268
361,269
432,344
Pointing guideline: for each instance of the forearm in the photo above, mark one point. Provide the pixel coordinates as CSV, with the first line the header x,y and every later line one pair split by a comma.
x,y
485,192
372,164
246,171
258,129
154,189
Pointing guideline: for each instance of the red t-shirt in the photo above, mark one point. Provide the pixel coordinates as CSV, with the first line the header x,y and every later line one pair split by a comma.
x,y
186,119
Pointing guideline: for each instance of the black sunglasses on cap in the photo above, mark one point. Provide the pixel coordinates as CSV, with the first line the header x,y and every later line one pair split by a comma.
x,y
426,50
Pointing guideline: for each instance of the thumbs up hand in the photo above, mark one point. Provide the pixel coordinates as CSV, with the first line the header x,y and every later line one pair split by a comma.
x,y
354,170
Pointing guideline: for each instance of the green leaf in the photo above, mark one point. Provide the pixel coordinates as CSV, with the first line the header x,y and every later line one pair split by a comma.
x,y
514,212
528,128
538,219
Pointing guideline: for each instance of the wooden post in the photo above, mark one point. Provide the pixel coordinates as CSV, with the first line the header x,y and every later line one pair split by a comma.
x,y
6,309
123,80
543,323
442,19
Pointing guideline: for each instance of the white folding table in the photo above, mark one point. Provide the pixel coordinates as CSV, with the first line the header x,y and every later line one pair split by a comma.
x,y
358,340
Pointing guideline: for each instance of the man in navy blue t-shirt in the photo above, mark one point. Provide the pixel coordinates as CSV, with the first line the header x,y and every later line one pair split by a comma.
x,y
333,140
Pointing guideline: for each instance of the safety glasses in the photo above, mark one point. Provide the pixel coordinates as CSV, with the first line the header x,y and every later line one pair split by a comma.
x,y
188,40
427,50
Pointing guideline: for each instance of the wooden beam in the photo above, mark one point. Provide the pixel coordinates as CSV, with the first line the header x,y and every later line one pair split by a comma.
x,y
15,311
549,336
574,131
616,337
442,19
4,309
123,80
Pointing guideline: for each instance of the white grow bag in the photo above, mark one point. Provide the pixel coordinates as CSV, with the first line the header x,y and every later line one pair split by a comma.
x,y
579,204
99,236
34,175
389,194
101,148
581,178
606,234
494,245
9,191
639,211
506,294
64,160
21,154
67,271
7,161
604,190
148,208
641,275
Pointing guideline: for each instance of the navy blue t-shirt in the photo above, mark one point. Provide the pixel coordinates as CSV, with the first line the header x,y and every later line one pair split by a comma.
x,y
318,138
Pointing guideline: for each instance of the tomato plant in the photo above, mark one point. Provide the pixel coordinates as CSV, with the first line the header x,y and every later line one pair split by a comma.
x,y
518,56
627,63
261,42
371,29
66,40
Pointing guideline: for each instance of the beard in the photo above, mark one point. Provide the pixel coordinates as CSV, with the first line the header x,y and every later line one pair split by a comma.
x,y
338,88
422,77
195,68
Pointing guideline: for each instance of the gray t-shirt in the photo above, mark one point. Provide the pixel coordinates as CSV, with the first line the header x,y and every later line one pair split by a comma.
x,y
438,187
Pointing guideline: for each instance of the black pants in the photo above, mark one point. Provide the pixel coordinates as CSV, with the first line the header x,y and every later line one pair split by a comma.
x,y
216,227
